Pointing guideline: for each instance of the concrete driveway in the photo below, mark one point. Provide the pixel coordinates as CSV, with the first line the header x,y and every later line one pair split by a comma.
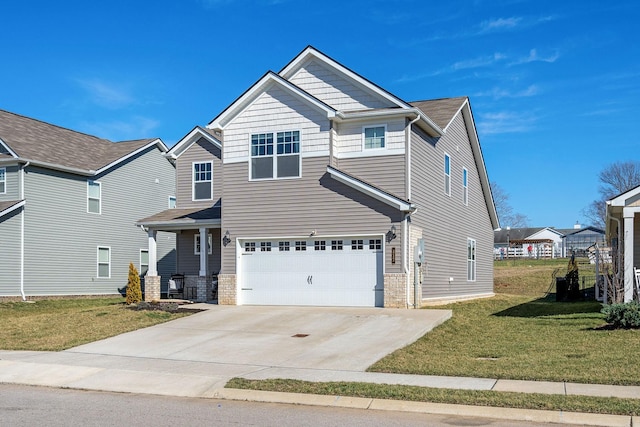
x,y
282,337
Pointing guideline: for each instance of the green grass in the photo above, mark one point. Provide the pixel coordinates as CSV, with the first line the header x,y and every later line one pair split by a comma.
x,y
521,333
58,324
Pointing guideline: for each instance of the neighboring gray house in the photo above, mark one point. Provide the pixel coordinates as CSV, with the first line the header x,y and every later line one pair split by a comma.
x,y
68,207
314,187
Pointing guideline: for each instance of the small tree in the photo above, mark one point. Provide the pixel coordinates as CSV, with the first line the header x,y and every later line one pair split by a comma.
x,y
134,292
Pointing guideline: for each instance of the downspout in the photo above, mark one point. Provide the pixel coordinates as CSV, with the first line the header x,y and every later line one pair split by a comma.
x,y
24,297
405,237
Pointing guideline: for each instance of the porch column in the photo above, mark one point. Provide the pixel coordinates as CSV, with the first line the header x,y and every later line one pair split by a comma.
x,y
152,270
628,214
204,252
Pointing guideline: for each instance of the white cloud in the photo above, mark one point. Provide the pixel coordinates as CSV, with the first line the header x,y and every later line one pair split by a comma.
x,y
136,127
535,57
498,93
478,62
106,94
505,122
499,24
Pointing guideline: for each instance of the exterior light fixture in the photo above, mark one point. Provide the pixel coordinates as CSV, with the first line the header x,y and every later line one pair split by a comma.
x,y
226,239
391,234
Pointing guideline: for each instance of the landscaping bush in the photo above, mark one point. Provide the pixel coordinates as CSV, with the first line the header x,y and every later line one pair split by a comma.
x,y
624,316
134,292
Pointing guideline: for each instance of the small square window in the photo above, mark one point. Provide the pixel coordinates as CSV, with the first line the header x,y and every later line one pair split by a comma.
x,y
320,245
172,202
336,245
374,137
250,246
375,244
357,245
301,245
265,246
284,246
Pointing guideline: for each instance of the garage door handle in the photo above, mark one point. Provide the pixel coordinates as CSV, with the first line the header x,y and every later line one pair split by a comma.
x,y
309,280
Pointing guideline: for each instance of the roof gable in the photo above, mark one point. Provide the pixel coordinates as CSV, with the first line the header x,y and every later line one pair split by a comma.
x,y
258,88
627,198
313,58
191,138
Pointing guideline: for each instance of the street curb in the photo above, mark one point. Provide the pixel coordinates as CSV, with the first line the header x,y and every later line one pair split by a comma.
x,y
533,415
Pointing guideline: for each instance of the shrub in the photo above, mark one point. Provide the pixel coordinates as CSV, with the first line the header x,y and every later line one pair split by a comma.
x,y
623,315
134,292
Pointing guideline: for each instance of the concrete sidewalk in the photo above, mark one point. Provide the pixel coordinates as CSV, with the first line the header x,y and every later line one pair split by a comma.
x,y
207,380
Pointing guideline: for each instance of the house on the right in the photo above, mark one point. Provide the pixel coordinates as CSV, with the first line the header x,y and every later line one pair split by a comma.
x,y
623,230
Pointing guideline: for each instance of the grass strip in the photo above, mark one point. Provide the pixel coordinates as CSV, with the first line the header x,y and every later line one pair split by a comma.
x,y
589,404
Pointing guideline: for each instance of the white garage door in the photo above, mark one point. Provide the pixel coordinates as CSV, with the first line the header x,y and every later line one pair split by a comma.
x,y
321,272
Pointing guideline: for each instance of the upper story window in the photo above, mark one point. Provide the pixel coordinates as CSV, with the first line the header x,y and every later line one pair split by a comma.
x,y
172,202
374,137
465,186
447,174
283,162
3,180
203,181
94,197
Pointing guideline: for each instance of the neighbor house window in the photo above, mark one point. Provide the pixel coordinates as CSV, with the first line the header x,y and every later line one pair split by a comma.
x,y
203,181
374,137
465,186
94,197
144,262
471,260
172,202
447,175
283,162
104,262
196,244
3,180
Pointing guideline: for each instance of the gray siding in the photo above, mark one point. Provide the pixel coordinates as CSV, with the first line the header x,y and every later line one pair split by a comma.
x,y
188,261
10,253
12,175
296,207
200,151
446,221
385,172
61,238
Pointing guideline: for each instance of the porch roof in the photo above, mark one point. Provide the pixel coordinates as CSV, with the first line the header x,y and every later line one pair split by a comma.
x,y
180,219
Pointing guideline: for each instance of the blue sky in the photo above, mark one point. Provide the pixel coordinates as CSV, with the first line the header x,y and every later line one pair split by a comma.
x,y
554,85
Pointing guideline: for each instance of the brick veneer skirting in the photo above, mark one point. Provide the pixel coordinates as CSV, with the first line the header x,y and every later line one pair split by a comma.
x,y
151,288
227,289
395,290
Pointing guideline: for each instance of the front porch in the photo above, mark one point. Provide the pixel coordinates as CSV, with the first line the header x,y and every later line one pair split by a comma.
x,y
197,264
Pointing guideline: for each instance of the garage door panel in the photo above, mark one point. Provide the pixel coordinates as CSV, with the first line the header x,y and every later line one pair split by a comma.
x,y
319,275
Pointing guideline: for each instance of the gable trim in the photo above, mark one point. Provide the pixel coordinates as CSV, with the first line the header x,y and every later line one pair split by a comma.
x,y
310,51
251,94
191,138
370,190
9,150
621,199
157,142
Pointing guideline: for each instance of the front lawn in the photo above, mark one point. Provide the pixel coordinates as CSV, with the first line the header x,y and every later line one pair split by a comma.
x,y
58,324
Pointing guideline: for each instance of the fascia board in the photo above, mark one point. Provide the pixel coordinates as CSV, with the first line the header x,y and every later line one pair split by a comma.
x,y
180,224
12,208
395,202
310,51
189,139
157,142
257,89
480,165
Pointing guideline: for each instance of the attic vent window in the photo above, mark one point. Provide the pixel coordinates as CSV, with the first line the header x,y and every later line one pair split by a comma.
x,y
374,137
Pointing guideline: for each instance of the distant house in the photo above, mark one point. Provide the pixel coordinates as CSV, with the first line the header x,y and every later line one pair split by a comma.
x,y
315,186
623,230
546,242
68,206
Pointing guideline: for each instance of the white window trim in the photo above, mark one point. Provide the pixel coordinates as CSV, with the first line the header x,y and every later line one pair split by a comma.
x,y
140,264
369,150
4,180
447,176
275,155
193,180
195,243
99,197
175,202
465,186
471,273
98,263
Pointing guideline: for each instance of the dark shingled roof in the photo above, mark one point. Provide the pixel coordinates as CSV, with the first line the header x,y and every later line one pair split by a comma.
x,y
38,141
188,215
441,111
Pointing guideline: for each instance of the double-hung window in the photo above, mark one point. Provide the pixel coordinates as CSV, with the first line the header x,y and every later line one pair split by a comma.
x,y
471,260
144,262
374,137
447,175
465,186
94,197
281,161
197,245
203,181
104,262
3,180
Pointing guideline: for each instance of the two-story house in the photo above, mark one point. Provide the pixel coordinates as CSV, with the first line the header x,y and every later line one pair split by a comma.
x,y
68,207
315,186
